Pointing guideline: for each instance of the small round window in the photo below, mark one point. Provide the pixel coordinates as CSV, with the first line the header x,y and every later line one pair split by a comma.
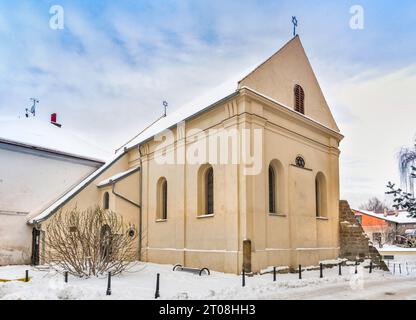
x,y
300,162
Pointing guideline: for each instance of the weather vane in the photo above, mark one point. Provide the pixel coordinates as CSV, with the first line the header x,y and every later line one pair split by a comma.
x,y
295,24
33,108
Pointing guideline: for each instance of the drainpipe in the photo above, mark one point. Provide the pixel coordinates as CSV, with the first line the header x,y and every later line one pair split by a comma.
x,y
137,205
140,201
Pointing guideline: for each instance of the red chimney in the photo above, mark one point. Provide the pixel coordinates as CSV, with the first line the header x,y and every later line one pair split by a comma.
x,y
53,120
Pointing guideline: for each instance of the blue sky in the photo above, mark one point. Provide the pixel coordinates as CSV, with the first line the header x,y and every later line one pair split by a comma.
x,y
107,72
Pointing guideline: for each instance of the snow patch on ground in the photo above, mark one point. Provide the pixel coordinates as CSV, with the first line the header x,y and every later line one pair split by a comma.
x,y
140,281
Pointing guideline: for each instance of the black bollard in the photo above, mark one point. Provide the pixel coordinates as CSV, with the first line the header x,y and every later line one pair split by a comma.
x,y
394,268
157,295
244,277
300,272
66,276
339,269
27,276
356,264
371,266
108,293
274,273
321,274
400,268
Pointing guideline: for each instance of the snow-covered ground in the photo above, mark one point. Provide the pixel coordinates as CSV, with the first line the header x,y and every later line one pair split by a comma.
x,y
139,283
393,248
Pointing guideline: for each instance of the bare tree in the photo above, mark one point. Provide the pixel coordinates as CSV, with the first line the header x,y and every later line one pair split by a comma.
x,y
89,242
386,235
407,159
374,204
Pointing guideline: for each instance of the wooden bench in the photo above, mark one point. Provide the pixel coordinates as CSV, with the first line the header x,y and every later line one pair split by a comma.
x,y
191,270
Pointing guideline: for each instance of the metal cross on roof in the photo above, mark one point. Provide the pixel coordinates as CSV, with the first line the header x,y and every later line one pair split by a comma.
x,y
295,24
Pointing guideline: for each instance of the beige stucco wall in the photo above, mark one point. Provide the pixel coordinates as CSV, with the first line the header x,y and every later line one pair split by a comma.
x,y
92,196
240,208
277,77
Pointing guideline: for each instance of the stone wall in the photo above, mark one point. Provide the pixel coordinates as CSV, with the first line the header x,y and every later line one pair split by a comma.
x,y
354,243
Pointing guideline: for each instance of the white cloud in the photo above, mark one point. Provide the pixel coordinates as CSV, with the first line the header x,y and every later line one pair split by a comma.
x,y
380,121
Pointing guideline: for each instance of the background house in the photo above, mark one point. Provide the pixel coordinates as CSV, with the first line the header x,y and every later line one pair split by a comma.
x,y
39,162
386,227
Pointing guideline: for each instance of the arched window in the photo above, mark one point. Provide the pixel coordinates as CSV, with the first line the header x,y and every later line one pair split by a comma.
x,y
106,200
162,199
272,190
206,190
299,99
276,191
320,195
209,190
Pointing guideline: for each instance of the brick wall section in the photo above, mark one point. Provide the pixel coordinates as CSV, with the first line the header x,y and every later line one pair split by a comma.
x,y
354,243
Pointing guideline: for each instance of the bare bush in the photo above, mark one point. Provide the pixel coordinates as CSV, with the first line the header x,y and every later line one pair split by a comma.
x,y
374,204
90,242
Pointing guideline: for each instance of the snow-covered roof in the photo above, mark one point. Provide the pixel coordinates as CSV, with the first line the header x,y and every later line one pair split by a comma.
x,y
402,218
42,135
194,107
202,103
117,177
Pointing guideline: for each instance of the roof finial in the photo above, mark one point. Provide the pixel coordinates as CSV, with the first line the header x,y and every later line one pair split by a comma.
x,y
295,24
165,105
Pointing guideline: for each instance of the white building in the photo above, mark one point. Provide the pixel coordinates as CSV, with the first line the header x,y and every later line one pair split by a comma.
x,y
39,162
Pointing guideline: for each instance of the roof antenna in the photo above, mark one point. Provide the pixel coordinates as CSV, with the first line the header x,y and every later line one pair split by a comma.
x,y
295,24
165,105
33,108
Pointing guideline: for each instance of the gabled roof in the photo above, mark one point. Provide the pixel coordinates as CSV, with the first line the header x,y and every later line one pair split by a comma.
x,y
402,218
278,75
40,135
225,91
117,177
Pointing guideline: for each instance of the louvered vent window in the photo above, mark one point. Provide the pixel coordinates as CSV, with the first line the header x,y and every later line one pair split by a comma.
x,y
299,99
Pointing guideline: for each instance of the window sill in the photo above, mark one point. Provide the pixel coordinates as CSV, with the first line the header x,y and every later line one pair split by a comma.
x,y
322,218
161,220
205,216
277,215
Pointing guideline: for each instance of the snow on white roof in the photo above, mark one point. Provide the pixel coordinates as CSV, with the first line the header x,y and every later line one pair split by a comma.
x,y
117,177
402,218
40,133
